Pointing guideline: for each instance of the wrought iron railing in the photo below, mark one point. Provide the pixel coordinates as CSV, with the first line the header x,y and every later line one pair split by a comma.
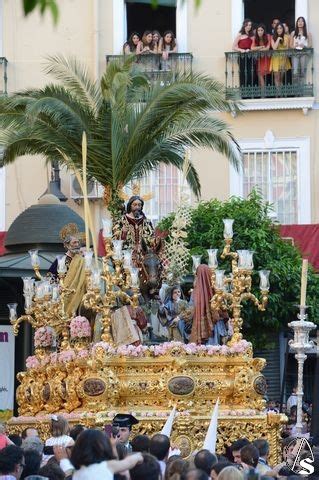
x,y
158,68
269,74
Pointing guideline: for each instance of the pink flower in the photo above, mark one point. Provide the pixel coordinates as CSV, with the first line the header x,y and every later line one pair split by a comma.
x,y
80,327
32,362
44,337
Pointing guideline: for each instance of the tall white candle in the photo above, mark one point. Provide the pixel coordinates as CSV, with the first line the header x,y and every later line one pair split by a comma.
x,y
304,273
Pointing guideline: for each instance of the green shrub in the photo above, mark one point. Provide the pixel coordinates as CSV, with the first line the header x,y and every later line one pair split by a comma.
x,y
254,230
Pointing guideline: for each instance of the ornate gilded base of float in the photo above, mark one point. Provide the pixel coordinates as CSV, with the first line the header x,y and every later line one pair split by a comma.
x,y
148,381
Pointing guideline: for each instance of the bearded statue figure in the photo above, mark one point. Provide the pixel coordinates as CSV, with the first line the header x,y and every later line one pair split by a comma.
x,y
133,227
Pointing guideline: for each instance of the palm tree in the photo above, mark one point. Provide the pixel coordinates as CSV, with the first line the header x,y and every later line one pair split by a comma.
x,y
132,125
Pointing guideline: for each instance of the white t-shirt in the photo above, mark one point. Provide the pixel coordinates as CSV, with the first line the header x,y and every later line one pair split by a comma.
x,y
96,471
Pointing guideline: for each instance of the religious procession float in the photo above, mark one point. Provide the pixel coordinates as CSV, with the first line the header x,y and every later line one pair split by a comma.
x,y
118,334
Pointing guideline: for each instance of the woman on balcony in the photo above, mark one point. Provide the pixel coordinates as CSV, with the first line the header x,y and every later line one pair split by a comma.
x,y
242,44
131,45
146,44
156,40
300,38
261,43
166,46
280,63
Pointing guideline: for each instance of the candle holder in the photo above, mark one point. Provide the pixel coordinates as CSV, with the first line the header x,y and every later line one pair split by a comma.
x,y
300,344
233,290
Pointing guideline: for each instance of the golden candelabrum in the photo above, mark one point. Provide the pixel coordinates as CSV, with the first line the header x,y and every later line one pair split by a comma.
x,y
104,290
232,290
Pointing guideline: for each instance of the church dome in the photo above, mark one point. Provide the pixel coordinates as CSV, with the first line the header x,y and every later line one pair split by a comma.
x,y
39,226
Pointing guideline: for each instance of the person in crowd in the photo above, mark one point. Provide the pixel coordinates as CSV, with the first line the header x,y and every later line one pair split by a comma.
x,y
29,432
249,456
218,467
300,38
32,443
146,44
175,468
92,457
124,422
159,448
286,28
263,448
236,447
4,439
274,24
279,64
292,399
32,460
204,460
76,430
15,439
242,44
11,462
261,43
52,471
167,44
156,40
231,473
141,443
149,469
59,434
196,474
176,315
130,46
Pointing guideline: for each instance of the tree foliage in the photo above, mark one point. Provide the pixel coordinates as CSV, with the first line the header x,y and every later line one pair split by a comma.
x,y
132,125
254,230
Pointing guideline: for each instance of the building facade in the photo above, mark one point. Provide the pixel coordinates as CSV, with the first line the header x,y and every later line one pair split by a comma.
x,y
278,132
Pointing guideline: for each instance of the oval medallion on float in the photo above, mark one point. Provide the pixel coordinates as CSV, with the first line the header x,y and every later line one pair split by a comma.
x,y
93,387
181,385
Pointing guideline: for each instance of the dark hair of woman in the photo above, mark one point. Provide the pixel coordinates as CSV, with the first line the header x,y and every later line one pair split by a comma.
x,y
130,42
144,41
176,469
304,29
173,42
264,38
276,35
91,446
242,31
76,430
52,471
32,460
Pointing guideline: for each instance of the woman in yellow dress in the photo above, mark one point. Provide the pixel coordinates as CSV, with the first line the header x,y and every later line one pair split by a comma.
x,y
280,63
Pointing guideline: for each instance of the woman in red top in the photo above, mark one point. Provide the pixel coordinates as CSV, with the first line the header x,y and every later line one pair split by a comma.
x,y
261,43
242,44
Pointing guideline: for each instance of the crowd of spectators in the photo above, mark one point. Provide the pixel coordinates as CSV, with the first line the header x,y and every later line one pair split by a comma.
x,y
281,67
85,453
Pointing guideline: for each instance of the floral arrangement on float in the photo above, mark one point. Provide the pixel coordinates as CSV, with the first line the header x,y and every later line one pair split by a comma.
x,y
44,337
140,351
80,328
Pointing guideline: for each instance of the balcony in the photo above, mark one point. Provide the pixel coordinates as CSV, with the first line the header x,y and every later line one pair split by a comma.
x,y
251,78
156,68
3,76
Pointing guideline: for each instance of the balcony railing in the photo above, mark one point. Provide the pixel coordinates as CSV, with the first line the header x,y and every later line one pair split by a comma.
x,y
156,68
270,74
3,77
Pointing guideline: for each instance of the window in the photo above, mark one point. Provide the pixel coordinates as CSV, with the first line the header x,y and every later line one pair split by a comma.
x,y
281,173
282,9
274,173
142,16
166,185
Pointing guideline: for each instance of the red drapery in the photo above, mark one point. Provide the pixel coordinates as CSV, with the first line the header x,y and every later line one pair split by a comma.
x,y
306,238
2,239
